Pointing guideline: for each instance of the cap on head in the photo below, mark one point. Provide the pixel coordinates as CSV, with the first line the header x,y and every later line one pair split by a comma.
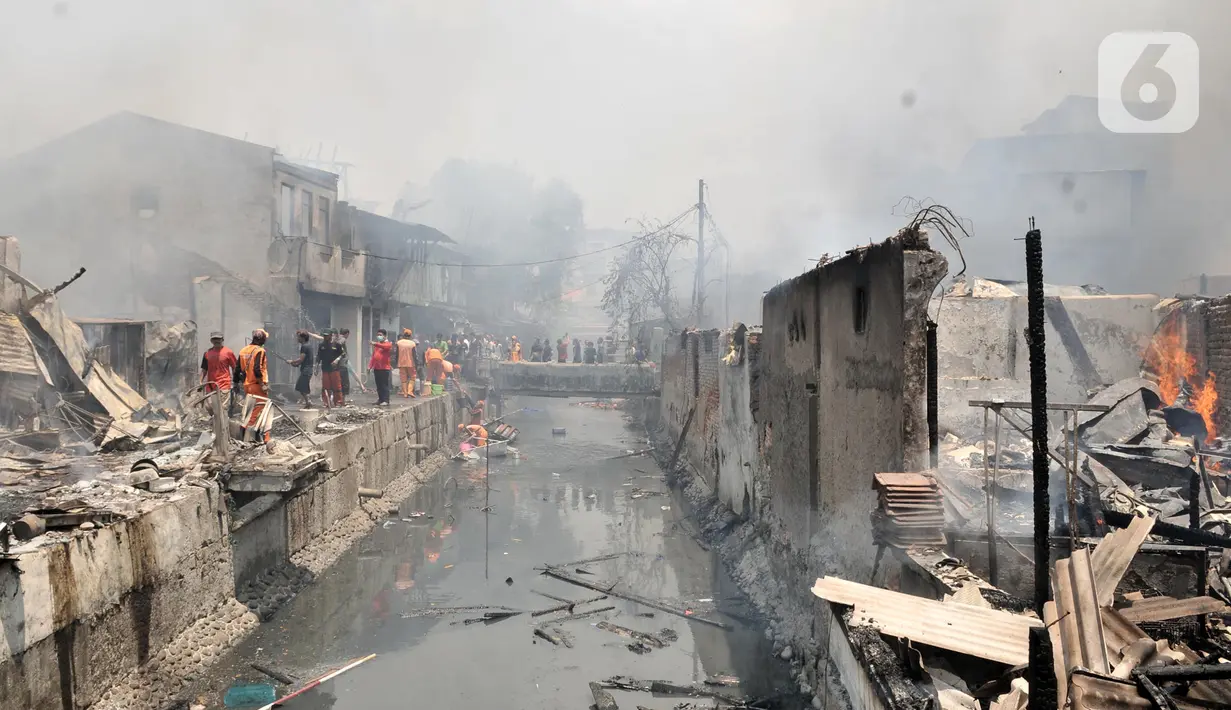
x,y
259,336
216,335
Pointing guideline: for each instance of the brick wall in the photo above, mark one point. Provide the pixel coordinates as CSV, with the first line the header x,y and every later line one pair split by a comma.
x,y
1217,327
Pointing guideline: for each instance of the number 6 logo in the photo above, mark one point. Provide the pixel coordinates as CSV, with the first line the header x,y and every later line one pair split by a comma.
x,y
1149,82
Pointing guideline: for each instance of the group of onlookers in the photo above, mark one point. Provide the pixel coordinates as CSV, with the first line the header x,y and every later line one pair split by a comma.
x,y
590,352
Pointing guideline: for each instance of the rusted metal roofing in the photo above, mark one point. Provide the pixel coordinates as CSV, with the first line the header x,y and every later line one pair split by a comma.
x,y
984,633
17,354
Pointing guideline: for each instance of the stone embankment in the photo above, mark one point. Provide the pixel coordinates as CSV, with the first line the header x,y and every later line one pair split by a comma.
x,y
125,615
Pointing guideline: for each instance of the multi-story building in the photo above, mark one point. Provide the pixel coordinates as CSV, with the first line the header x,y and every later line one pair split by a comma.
x,y
172,222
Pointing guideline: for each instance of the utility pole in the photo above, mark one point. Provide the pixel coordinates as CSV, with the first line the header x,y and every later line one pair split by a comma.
x,y
698,291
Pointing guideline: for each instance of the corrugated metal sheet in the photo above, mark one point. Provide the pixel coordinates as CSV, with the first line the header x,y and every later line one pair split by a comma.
x,y
1092,692
1114,554
1118,632
16,352
1051,617
984,633
1164,608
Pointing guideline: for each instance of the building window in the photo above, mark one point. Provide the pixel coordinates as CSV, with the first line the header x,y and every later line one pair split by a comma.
x,y
322,217
286,211
305,213
145,201
861,309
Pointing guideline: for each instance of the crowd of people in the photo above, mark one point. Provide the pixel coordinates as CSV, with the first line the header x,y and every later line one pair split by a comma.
x,y
590,352
432,361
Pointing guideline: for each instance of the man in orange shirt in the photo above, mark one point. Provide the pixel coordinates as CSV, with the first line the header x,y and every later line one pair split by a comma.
x,y
217,368
434,360
254,363
406,362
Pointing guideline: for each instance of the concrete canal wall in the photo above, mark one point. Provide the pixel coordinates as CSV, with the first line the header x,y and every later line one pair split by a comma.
x,y
80,612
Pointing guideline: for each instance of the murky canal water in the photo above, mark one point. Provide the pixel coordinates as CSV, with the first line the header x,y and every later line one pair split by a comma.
x,y
562,500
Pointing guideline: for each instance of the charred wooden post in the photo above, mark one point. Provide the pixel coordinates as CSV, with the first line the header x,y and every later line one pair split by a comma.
x,y
1194,500
933,398
1042,673
1035,334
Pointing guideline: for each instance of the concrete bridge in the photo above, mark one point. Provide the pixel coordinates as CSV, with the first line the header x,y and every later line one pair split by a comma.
x,y
545,379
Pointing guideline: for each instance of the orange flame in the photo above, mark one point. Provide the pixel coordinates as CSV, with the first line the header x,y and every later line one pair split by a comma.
x,y
1170,360
1205,403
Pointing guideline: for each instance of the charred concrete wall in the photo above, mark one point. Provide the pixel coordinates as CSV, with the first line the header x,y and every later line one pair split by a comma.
x,y
832,391
843,378
112,195
839,395
78,614
692,366
1092,341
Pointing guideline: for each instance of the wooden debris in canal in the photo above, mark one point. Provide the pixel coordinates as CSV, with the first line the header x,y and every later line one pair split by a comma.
x,y
586,615
554,635
602,699
649,639
662,687
565,576
490,617
567,605
272,673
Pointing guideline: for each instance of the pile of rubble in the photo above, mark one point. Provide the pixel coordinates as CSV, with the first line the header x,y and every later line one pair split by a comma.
x,y
1140,610
80,447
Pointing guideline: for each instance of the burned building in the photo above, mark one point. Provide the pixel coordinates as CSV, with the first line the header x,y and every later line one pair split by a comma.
x,y
173,223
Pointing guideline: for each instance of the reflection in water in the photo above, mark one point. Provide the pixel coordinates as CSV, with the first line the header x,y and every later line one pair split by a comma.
x,y
564,499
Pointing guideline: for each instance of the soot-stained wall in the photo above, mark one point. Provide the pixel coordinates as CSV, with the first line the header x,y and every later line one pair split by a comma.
x,y
843,395
833,392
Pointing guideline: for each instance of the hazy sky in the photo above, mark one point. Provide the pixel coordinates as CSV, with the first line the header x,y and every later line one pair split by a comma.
x,y
792,110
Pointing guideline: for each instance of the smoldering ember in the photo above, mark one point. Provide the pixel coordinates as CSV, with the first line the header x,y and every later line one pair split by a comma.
x,y
276,432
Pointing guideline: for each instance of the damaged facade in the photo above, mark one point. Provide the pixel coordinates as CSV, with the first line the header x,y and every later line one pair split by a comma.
x,y
177,224
811,445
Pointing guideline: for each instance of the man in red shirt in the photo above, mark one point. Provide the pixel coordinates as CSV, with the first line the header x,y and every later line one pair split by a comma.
x,y
218,367
381,366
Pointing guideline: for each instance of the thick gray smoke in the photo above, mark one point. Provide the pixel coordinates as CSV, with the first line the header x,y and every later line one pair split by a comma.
x,y
810,119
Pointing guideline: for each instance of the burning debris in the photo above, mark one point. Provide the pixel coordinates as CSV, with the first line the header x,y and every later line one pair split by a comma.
x,y
1140,610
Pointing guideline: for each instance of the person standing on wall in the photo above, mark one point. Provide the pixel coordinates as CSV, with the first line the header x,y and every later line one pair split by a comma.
x,y
303,385
515,350
218,368
329,354
254,363
381,366
344,364
406,363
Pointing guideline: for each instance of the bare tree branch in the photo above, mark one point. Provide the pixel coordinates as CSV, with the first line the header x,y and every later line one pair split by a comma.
x,y
640,285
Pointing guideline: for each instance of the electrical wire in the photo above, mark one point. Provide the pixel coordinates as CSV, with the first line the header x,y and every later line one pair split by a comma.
x,y
638,238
